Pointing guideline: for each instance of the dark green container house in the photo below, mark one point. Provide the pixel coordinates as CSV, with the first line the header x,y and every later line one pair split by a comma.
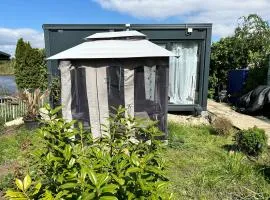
x,y
188,71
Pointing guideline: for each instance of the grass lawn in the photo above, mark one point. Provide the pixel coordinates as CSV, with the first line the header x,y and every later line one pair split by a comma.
x,y
201,167
6,67
198,164
13,143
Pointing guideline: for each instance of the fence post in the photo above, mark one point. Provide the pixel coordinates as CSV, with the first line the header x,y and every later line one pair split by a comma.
x,y
13,112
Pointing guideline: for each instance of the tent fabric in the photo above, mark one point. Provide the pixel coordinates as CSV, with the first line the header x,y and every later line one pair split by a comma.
x,y
97,98
118,34
129,90
183,73
150,81
113,49
106,85
65,68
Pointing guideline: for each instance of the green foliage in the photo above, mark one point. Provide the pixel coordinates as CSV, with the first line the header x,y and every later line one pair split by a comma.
x,y
125,163
224,57
222,126
55,90
26,190
6,181
7,67
30,67
248,47
256,76
252,141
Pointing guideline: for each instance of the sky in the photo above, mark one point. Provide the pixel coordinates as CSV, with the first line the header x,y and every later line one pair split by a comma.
x,y
24,18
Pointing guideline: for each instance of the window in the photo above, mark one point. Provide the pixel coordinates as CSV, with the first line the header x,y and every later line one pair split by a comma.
x,y
183,72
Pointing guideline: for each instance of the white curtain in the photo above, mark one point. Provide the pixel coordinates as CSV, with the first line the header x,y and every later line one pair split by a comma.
x,y
183,73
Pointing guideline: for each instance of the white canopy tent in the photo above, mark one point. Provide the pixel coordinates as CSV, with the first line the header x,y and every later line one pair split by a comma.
x,y
112,69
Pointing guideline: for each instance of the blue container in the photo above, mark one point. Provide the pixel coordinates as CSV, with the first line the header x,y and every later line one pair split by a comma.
x,y
236,82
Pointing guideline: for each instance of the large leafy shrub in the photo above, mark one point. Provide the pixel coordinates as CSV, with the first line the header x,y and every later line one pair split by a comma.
x,y
123,164
251,141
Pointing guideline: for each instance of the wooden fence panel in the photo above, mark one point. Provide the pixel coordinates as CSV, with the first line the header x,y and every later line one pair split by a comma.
x,y
11,110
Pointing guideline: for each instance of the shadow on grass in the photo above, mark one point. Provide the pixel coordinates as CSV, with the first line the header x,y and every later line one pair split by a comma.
x,y
176,143
264,170
211,130
230,147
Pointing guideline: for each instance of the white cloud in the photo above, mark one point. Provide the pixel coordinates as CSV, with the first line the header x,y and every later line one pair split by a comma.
x,y
222,13
9,37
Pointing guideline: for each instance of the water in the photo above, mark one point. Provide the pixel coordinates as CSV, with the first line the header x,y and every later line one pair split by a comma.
x,y
7,85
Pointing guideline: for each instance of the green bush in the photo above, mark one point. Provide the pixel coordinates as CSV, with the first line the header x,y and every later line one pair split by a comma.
x,y
70,164
251,141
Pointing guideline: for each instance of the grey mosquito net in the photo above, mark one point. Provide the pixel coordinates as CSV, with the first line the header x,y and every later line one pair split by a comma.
x,y
90,88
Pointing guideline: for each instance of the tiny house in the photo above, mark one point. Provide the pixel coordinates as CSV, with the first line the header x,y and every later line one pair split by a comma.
x,y
188,70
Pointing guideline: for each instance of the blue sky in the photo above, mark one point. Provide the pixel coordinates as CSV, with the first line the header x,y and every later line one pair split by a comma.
x,y
24,18
33,13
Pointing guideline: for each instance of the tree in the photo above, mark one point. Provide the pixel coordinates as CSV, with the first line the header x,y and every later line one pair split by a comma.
x,y
248,47
30,67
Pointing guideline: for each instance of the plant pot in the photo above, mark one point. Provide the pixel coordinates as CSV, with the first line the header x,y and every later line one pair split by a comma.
x,y
31,124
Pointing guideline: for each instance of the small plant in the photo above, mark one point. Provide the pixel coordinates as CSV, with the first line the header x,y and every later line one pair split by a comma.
x,y
33,101
26,189
222,126
251,141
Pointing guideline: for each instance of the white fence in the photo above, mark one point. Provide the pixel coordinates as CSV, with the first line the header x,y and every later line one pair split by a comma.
x,y
11,108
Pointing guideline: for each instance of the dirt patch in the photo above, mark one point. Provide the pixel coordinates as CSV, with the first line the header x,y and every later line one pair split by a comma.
x,y
10,130
7,168
189,119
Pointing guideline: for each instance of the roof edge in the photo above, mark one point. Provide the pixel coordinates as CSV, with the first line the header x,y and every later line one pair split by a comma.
x,y
123,26
5,54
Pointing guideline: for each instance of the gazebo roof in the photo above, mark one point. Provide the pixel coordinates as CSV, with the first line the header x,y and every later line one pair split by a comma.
x,y
123,44
118,34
